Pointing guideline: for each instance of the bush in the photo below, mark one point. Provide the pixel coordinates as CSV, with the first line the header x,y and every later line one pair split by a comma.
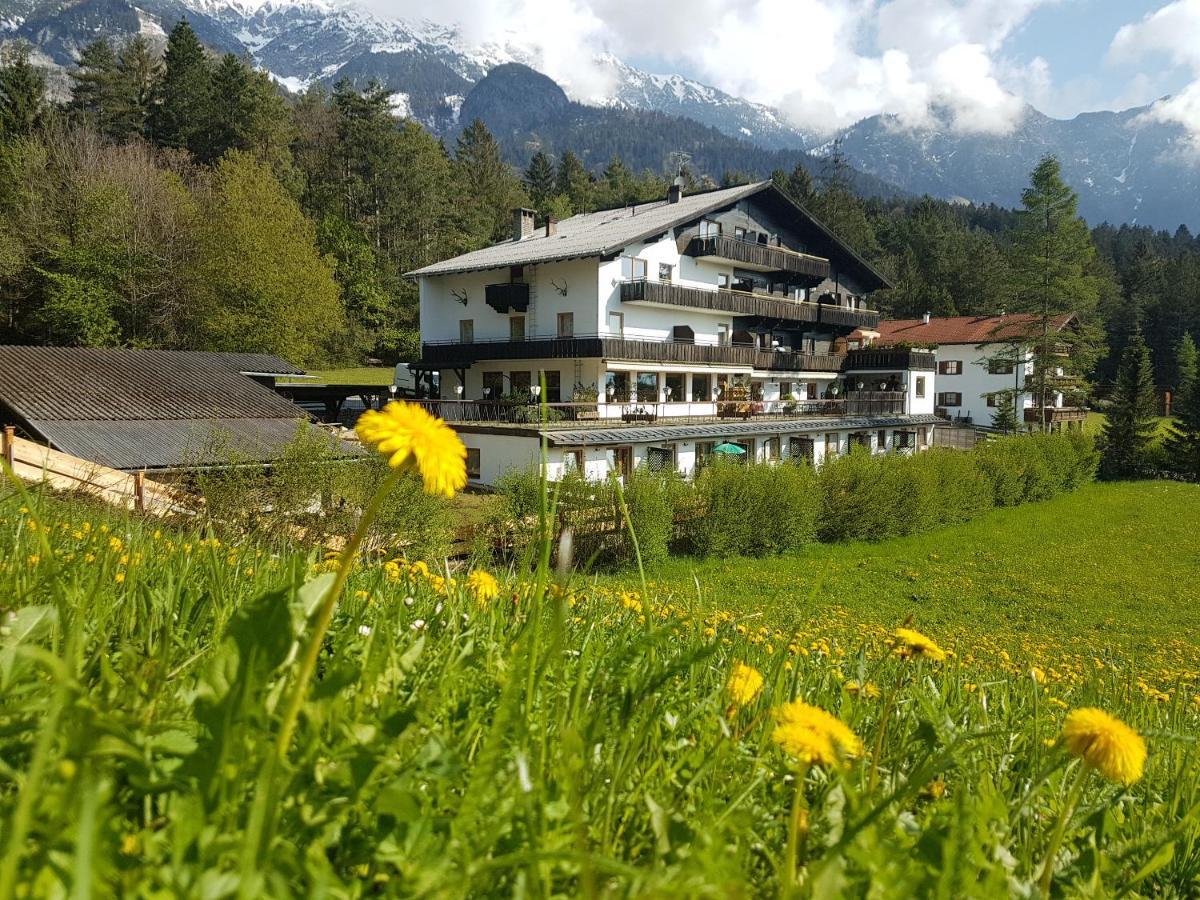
x,y
754,510
313,490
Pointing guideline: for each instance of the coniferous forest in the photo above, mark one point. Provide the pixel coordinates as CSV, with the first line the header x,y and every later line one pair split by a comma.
x,y
184,201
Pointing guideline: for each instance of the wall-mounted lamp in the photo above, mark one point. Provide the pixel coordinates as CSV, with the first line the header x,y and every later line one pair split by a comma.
x,y
458,389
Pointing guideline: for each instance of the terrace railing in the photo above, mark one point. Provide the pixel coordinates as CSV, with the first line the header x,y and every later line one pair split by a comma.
x,y
613,412
603,346
754,253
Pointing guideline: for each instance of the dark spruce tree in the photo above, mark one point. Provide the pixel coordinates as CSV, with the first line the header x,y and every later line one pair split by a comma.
x,y
1129,430
184,95
1183,436
540,182
94,87
22,92
138,71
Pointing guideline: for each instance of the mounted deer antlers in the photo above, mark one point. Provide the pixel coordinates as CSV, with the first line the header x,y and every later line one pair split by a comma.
x,y
562,289
460,296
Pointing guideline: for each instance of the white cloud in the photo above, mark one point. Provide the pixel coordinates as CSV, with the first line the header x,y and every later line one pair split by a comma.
x,y
1172,33
825,63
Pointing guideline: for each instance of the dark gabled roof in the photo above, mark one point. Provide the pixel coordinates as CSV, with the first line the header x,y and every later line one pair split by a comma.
x,y
132,409
608,231
966,329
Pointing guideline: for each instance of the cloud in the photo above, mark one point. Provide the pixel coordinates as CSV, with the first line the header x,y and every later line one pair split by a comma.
x,y
824,63
1171,33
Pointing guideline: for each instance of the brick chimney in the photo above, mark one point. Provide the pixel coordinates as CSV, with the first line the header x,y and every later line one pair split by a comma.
x,y
522,223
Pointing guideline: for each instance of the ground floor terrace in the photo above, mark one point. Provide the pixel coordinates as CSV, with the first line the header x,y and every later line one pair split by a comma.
x,y
600,448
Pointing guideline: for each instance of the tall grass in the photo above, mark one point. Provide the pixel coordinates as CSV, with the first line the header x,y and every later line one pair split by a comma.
x,y
559,739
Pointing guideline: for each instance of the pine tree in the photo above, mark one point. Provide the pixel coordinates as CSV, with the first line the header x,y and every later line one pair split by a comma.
x,y
574,182
490,188
1053,262
1130,427
94,86
1004,414
1183,437
799,186
138,71
246,113
22,92
184,95
540,182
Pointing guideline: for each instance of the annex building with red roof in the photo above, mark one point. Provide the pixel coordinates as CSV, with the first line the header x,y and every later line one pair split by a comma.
x,y
984,362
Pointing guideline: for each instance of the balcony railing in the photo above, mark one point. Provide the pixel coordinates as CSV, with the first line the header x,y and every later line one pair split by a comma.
x,y
618,413
885,360
454,353
507,297
1055,414
744,303
764,256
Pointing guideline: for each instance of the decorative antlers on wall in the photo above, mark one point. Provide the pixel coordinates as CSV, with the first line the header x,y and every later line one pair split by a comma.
x,y
460,296
562,289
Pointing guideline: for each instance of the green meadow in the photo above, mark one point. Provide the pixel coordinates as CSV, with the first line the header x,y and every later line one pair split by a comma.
x,y
551,737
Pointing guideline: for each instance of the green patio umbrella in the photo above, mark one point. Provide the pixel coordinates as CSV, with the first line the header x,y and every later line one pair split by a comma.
x,y
731,449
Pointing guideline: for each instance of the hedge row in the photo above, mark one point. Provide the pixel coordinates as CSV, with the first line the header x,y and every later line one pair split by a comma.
x,y
734,509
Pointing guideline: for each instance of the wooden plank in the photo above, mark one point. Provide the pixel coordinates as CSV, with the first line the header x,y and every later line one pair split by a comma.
x,y
37,463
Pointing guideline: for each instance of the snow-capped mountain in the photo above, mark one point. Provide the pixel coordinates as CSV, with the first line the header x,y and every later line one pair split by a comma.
x,y
678,96
1124,166
428,66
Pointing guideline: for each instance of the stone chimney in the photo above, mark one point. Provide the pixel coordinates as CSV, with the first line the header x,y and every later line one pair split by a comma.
x,y
522,223
925,319
551,226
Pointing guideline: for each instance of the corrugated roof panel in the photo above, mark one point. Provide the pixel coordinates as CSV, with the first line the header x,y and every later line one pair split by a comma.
x,y
169,444
89,384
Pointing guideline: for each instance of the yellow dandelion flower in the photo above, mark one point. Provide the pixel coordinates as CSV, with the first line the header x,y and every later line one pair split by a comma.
x,y
814,736
744,684
910,643
410,438
1105,743
483,587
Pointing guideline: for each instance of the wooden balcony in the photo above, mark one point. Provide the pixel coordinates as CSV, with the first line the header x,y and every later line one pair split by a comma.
x,y
885,360
1055,415
742,303
455,354
753,255
739,303
507,297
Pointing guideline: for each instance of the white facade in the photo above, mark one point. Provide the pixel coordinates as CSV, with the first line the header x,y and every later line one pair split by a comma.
x,y
972,380
492,452
606,401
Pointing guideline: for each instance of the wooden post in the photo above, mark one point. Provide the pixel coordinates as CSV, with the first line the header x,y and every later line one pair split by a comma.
x,y
139,491
10,439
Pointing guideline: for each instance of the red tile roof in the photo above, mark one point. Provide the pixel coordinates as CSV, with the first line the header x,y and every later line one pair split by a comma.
x,y
963,329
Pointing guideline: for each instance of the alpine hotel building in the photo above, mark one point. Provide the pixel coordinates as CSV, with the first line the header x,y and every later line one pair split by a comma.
x,y
660,331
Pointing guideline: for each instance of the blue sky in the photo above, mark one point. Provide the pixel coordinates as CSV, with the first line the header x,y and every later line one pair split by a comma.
x,y
1074,37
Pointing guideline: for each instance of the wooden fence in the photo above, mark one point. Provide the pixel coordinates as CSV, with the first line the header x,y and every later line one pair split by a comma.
x,y
38,464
